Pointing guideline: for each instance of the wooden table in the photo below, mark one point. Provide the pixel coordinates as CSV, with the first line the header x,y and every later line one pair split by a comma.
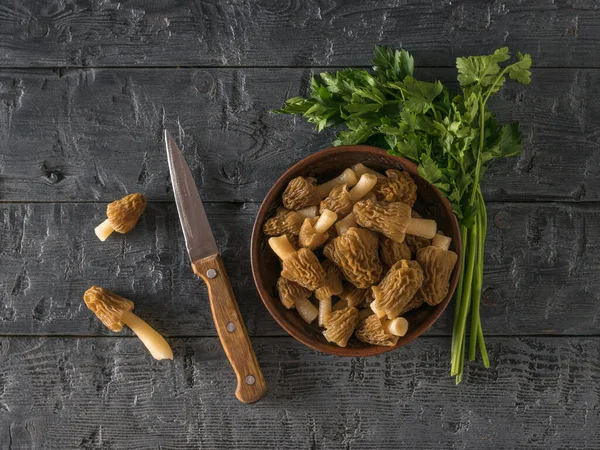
x,y
85,90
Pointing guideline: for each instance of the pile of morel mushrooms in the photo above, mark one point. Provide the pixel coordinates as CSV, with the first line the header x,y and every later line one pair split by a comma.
x,y
357,240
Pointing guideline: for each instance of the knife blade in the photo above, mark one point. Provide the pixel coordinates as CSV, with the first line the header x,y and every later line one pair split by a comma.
x,y
207,264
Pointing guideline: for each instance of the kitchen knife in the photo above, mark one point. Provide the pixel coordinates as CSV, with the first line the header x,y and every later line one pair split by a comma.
x,y
207,264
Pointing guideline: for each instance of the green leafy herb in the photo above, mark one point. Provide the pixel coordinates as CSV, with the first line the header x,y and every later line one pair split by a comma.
x,y
451,136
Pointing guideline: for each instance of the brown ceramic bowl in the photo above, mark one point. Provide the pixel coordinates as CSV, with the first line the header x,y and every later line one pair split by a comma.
x,y
324,165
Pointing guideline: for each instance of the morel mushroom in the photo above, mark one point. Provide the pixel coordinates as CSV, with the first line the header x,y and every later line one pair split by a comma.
x,y
310,212
340,325
290,292
372,331
300,266
332,286
397,289
338,201
392,220
300,193
122,215
313,232
347,177
398,187
114,311
353,295
416,301
284,222
355,253
391,251
437,262
416,243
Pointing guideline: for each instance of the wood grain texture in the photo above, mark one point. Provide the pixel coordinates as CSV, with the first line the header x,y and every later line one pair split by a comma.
x,y
83,135
541,268
231,329
291,33
540,393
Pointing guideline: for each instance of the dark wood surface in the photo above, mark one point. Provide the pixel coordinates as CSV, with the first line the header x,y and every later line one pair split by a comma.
x,y
85,90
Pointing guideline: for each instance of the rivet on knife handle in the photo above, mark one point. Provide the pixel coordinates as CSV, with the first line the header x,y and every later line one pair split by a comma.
x,y
251,385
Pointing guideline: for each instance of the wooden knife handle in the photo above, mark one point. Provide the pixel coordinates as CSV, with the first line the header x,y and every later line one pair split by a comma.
x,y
230,326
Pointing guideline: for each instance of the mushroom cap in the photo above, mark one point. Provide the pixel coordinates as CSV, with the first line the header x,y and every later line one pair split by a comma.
x,y
437,267
290,291
338,201
353,295
304,268
414,303
300,193
389,219
391,251
398,287
355,253
107,306
340,325
284,222
370,331
123,214
333,282
397,187
309,237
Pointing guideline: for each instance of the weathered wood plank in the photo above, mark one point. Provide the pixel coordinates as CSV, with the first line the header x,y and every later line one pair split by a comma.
x,y
308,33
57,393
542,262
94,134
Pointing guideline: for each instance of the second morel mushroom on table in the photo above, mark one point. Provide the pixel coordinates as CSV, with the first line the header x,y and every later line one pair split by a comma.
x,y
115,311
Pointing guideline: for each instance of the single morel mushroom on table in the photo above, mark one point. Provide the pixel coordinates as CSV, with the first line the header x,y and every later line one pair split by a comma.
x,y
391,251
397,289
340,325
437,263
114,311
122,215
397,187
283,222
347,177
355,253
301,266
314,232
332,286
392,220
300,193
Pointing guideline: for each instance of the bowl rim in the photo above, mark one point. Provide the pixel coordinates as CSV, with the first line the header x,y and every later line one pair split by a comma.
x,y
269,301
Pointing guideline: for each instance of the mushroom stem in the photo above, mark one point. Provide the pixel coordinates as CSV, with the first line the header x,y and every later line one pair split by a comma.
x,y
346,177
364,313
380,313
422,227
365,184
326,219
397,326
360,169
154,342
441,241
343,225
281,246
104,230
308,212
340,304
306,309
324,311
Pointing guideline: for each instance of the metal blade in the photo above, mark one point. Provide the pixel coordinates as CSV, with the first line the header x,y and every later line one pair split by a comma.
x,y
199,239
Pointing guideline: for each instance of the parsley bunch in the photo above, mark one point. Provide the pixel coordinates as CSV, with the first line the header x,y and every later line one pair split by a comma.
x,y
451,136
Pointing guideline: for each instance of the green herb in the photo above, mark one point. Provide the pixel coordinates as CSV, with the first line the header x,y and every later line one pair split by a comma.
x,y
451,136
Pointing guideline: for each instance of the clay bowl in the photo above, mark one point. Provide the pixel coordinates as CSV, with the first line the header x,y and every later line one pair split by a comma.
x,y
324,165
